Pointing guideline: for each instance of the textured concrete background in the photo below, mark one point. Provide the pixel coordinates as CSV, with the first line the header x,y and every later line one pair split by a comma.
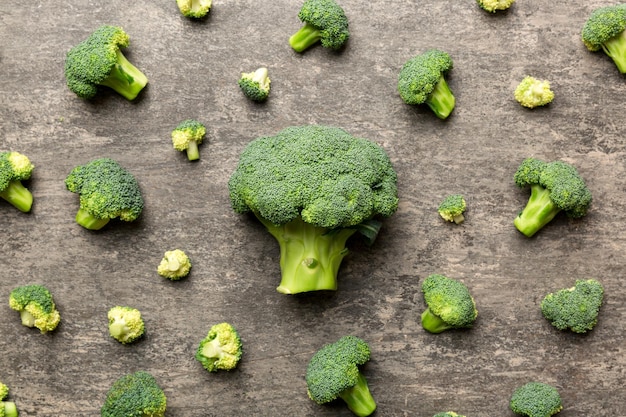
x,y
193,69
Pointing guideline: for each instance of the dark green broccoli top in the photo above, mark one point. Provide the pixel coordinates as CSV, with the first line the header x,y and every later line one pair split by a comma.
x,y
32,294
137,394
603,24
575,308
329,19
536,399
450,304
420,75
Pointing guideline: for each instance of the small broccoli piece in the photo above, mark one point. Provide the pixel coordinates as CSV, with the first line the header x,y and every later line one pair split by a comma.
x,y
255,85
574,308
194,8
324,22
14,168
136,394
452,208
125,324
448,414
107,191
554,187
174,265
536,399
7,408
333,372
605,29
36,307
532,92
422,80
187,136
221,349
493,6
99,61
449,304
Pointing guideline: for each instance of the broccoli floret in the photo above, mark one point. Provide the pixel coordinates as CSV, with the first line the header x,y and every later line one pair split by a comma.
x,y
136,394
493,6
448,414
36,307
174,265
422,80
333,372
452,208
99,61
532,92
106,191
255,85
125,324
313,187
554,187
7,408
324,22
574,308
14,168
449,304
536,399
221,349
605,29
187,136
194,8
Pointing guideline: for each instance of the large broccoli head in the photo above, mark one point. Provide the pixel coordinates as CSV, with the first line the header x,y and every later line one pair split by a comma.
x,y
36,307
449,304
136,394
14,168
574,308
605,29
324,22
536,399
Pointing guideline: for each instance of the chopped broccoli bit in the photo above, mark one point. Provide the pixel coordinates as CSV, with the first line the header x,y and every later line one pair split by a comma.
x,y
7,408
221,349
493,6
574,308
532,92
536,399
324,22
449,304
36,307
605,29
187,136
255,85
14,168
194,8
448,414
452,208
174,265
136,394
125,324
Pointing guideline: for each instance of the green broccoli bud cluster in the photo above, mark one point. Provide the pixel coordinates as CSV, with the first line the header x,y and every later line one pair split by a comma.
x,y
452,208
15,168
187,136
221,349
325,22
605,30
255,85
36,307
135,394
536,399
125,324
449,304
532,92
493,6
574,308
175,265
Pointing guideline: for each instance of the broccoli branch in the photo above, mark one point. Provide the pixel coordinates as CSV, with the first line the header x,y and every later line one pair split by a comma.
x,y
358,398
10,409
616,49
18,195
441,100
125,78
433,323
539,211
304,38
89,221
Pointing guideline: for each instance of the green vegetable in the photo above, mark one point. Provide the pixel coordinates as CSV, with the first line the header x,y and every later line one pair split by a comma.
x,y
14,168
255,85
36,307
324,22
7,408
125,324
532,92
495,5
136,394
536,399
174,265
194,8
221,349
313,187
99,61
187,136
605,29
448,414
449,304
452,208
574,308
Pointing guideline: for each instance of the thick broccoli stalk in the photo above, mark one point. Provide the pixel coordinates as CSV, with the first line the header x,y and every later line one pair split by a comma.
x,y
605,29
7,408
449,304
36,307
536,399
221,349
255,85
135,394
325,22
187,136
14,168
125,324
574,308
313,187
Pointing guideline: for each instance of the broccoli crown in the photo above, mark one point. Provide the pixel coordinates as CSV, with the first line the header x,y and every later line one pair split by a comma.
x,y
221,349
448,414
174,265
532,92
125,324
452,208
136,394
327,22
536,399
15,167
194,8
604,24
187,131
36,307
420,75
495,5
450,304
574,308
255,85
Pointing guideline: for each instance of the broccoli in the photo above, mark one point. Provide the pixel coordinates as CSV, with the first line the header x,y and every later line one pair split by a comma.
x,y
574,308
125,324
107,191
14,168
174,265
313,187
422,80
221,349
452,208
135,394
536,399
333,373
448,414
187,136
605,29
324,22
554,187
36,307
194,8
98,61
255,85
7,408
493,6
532,92
449,304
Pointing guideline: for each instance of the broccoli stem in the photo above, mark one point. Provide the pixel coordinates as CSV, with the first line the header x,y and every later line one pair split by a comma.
x,y
310,255
27,318
539,211
359,398
193,153
616,49
441,101
18,196
433,323
88,221
125,78
10,410
307,36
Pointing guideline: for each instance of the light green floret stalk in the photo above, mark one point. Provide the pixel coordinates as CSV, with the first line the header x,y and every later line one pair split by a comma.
x,y
532,92
605,30
36,307
175,265
255,85
125,324
493,6
324,22
452,208
536,399
14,168
7,408
187,136
194,8
221,349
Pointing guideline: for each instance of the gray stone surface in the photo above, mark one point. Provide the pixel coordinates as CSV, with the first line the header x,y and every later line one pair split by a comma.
x,y
193,69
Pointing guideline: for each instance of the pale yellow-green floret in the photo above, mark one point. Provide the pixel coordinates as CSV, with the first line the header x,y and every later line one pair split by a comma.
x,y
194,8
495,5
174,265
532,92
125,324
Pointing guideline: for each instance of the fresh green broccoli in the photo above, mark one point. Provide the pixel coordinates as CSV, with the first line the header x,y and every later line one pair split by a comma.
x,y
36,307
221,349
605,29
449,304
187,136
174,265
324,22
135,394
255,85
422,80
554,187
14,168
493,6
333,372
194,8
106,191
99,61
536,399
448,414
574,308
532,92
125,324
7,408
313,187
452,208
